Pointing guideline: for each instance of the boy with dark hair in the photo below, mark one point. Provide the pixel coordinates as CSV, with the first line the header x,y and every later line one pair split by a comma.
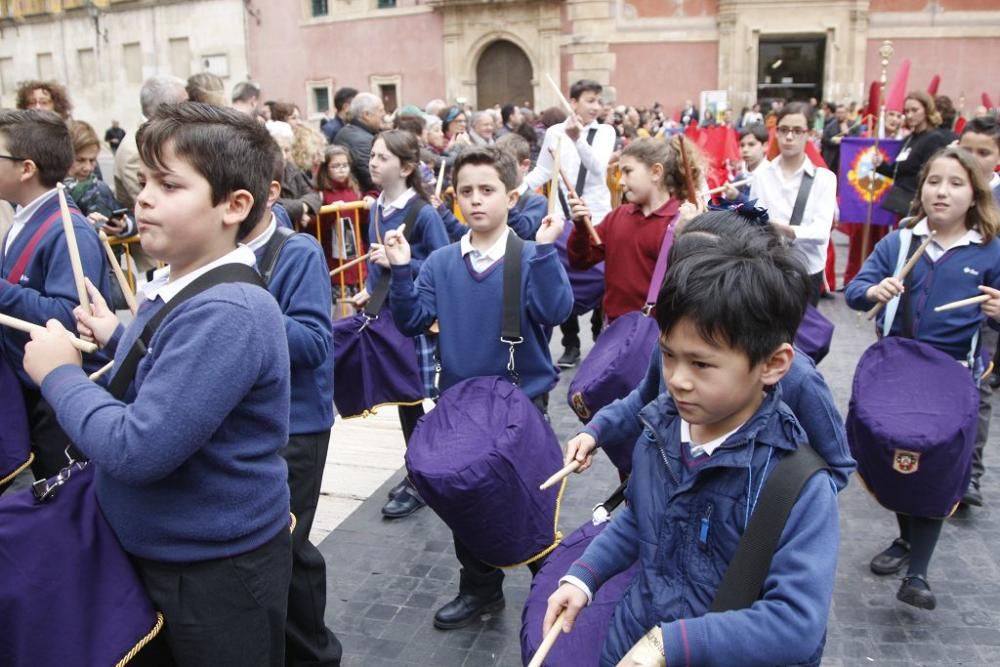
x,y
981,138
461,286
187,465
294,270
36,277
587,146
342,112
727,320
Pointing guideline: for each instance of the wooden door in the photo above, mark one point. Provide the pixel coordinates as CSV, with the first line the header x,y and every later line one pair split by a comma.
x,y
504,75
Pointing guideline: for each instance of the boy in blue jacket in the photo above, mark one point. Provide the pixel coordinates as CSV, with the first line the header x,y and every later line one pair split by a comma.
x,y
187,467
462,287
727,320
294,269
36,278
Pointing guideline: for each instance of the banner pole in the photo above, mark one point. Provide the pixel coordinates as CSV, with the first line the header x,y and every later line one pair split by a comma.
x,y
886,53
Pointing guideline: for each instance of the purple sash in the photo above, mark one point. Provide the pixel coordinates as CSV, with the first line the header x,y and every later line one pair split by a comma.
x,y
478,459
70,595
584,645
621,354
15,447
911,426
374,365
814,334
588,284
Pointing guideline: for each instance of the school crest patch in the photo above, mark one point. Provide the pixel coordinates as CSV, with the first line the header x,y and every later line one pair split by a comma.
x,y
905,461
579,406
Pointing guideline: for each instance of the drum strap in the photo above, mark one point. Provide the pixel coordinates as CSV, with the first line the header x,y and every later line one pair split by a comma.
x,y
272,249
227,273
744,579
660,270
799,209
510,326
381,290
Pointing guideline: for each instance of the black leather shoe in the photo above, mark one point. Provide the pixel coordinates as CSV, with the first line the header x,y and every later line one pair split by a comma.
x,y
466,609
973,496
569,358
406,502
916,591
994,380
394,491
888,562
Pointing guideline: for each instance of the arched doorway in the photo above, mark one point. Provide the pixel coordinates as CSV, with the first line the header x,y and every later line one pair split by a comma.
x,y
503,74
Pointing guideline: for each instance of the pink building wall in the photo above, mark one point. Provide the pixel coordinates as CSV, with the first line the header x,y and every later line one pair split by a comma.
x,y
664,72
285,53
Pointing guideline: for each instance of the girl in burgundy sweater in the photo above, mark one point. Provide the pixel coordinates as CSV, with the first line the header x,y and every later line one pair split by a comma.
x,y
336,183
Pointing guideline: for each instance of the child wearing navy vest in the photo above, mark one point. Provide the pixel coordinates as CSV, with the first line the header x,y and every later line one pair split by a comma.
x,y
187,466
462,287
294,269
36,278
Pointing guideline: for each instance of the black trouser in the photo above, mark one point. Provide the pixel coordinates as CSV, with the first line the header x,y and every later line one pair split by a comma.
x,y
571,328
982,429
307,639
228,611
816,287
477,576
409,415
48,440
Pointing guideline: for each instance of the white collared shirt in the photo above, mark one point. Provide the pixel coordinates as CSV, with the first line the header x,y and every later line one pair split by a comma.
x,y
161,286
994,181
935,250
777,194
262,240
594,157
484,260
397,204
704,448
23,214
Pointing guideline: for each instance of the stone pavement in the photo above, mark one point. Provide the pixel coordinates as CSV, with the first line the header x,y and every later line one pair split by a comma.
x,y
388,578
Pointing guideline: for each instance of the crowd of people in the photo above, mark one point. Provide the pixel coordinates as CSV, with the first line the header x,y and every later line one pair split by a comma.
x,y
208,436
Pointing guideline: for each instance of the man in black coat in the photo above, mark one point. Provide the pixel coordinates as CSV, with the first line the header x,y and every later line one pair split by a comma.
x,y
367,112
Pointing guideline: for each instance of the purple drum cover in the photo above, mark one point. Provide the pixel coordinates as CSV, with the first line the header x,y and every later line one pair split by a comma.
x,y
15,446
814,334
911,426
478,459
582,647
373,365
615,365
70,595
588,284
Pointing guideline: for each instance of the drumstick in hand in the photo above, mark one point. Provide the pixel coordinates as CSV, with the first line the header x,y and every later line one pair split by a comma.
x,y
904,272
74,250
547,642
357,260
586,220
28,327
563,473
971,301
117,270
96,375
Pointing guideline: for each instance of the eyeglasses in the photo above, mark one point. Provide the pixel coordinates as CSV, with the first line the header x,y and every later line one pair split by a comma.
x,y
797,131
12,158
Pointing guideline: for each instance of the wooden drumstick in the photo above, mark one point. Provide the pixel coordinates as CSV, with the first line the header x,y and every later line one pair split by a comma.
x,y
586,220
28,327
117,270
96,375
440,183
357,260
563,473
74,250
548,641
554,183
562,98
971,301
904,272
715,191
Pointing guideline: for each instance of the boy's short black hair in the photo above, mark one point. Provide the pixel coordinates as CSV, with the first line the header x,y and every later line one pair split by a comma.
x,y
228,148
584,86
758,130
983,125
797,107
343,96
744,295
702,234
500,160
506,111
43,138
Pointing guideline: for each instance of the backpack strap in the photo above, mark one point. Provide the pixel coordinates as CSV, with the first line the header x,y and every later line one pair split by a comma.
x,y
799,209
227,273
510,327
741,585
381,291
907,247
660,270
272,249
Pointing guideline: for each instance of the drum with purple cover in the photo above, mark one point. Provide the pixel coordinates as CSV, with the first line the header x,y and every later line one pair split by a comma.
x,y
70,595
911,426
15,446
478,459
814,334
583,646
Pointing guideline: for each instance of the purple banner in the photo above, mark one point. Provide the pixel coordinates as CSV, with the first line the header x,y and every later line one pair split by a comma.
x,y
855,180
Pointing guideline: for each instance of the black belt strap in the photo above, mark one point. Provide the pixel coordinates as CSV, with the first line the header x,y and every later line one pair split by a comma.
x,y
510,327
381,291
801,198
741,585
227,273
269,259
581,178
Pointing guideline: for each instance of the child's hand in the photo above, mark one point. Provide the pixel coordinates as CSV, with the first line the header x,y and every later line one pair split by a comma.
x,y
360,300
435,201
888,289
730,192
581,448
991,308
97,219
378,256
49,349
687,213
100,323
552,227
647,652
567,597
396,248
578,208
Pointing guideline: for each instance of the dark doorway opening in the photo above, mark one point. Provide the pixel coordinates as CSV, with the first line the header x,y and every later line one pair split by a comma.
x,y
503,74
790,68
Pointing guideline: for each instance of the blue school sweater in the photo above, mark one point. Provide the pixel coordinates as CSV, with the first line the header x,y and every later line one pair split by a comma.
x,y
956,275
468,307
428,235
187,469
525,218
46,289
300,284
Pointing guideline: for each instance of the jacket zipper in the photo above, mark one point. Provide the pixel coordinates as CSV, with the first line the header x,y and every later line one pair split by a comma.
x,y
659,447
